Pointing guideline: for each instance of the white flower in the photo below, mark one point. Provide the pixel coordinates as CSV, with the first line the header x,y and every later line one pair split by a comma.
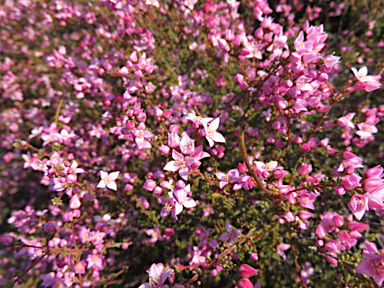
x,y
211,134
108,180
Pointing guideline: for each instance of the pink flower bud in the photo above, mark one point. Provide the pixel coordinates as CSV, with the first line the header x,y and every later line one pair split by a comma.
x,y
76,213
305,148
141,117
164,149
167,113
49,227
244,283
130,124
174,128
169,231
74,203
339,190
339,221
149,185
180,184
372,184
280,174
71,178
331,260
320,232
254,256
241,167
375,172
357,226
305,215
158,190
6,240
196,164
214,273
247,271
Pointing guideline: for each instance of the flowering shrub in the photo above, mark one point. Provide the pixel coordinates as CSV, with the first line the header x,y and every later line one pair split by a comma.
x,y
207,143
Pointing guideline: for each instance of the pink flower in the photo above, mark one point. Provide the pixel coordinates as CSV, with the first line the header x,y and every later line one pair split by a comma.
x,y
95,261
211,134
358,205
198,120
108,180
187,145
368,83
247,271
281,248
366,130
231,234
80,267
373,264
157,276
244,283
180,164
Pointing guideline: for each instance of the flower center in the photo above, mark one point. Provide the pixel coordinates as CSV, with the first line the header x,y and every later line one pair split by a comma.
x,y
168,207
211,133
180,163
366,127
107,180
154,280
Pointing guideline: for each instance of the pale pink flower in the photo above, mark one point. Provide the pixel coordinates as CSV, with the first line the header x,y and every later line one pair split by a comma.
x,y
108,180
180,164
358,205
211,134
373,263
281,248
366,130
231,233
153,3
197,120
157,276
187,145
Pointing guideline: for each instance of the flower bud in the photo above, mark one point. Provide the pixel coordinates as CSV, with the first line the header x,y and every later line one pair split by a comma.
x,y
158,190
339,190
375,172
169,231
49,227
74,203
149,185
6,240
247,271
244,283
254,256
320,232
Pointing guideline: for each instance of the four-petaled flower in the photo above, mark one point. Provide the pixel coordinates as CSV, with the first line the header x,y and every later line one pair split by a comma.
x,y
108,180
211,134
180,164
157,276
231,234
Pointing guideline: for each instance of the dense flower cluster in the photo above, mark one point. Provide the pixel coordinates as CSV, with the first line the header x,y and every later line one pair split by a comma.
x,y
184,138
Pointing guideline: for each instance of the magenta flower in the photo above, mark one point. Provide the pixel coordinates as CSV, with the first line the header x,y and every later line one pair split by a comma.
x,y
180,164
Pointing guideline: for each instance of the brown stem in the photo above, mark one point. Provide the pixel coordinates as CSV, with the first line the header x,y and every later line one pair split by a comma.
x,y
244,154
